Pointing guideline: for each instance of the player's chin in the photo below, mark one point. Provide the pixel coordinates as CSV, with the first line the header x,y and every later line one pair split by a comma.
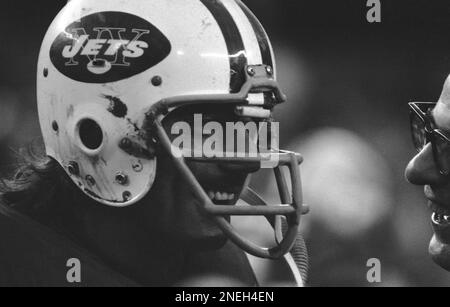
x,y
208,237
209,243
201,232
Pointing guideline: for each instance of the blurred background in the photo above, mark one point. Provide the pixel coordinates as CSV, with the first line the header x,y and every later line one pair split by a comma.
x,y
349,83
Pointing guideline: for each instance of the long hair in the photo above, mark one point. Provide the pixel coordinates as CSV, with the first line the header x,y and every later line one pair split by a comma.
x,y
39,188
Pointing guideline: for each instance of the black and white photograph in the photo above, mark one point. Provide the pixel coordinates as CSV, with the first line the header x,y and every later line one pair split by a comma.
x,y
225,149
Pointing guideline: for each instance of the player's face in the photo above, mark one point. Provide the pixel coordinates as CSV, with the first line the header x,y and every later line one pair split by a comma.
x,y
178,212
423,170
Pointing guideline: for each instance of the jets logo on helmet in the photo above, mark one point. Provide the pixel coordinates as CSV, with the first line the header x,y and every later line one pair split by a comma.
x,y
99,49
103,47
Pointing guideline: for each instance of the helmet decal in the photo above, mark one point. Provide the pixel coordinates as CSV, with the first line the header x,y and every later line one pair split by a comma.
x,y
234,41
103,47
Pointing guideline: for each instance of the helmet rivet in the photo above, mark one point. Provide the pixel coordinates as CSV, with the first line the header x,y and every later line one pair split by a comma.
x,y
269,70
126,195
137,166
55,126
90,180
73,168
157,81
251,71
121,178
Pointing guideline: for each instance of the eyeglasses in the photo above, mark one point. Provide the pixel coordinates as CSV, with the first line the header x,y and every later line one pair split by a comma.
x,y
423,132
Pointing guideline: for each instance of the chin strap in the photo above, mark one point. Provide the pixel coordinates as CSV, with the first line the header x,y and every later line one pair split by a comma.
x,y
297,259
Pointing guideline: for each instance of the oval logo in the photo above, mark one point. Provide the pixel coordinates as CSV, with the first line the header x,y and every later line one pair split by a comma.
x,y
108,47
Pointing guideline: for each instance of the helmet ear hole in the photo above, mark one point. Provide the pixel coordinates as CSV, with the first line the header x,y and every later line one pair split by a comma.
x,y
91,134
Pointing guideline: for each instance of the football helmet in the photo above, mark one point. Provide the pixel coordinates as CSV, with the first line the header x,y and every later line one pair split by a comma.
x,y
109,72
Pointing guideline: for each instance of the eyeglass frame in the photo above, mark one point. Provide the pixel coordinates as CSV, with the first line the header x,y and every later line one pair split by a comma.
x,y
430,133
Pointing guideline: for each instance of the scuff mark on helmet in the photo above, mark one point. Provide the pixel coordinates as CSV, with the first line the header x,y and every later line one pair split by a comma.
x,y
134,125
94,160
70,111
116,106
137,150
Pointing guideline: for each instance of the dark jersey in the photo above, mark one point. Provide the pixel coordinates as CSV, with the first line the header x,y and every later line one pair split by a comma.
x,y
34,255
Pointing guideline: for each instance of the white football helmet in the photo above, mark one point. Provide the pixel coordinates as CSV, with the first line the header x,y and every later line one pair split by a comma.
x,y
110,70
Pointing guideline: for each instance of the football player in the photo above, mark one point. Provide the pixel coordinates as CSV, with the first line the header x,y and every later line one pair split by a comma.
x,y
117,82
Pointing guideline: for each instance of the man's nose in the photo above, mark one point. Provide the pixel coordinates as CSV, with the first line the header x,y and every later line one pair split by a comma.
x,y
422,170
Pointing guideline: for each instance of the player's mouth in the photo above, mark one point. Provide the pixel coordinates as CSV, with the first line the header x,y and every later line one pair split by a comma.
x,y
224,190
222,198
